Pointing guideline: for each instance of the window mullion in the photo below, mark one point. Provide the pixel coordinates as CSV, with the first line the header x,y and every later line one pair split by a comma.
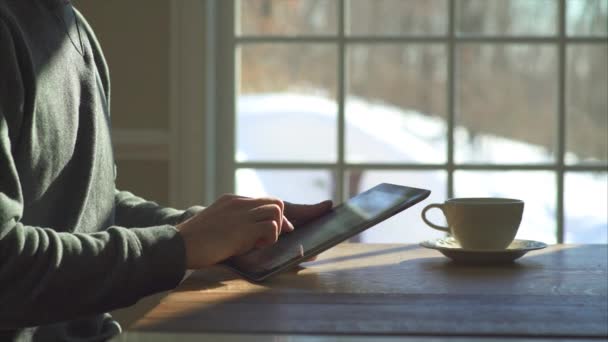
x,y
561,120
451,112
417,166
340,169
419,39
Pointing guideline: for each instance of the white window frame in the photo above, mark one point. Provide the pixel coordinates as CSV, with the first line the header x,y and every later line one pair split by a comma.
x,y
220,105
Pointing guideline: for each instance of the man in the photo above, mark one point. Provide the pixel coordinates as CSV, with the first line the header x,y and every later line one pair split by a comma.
x,y
72,247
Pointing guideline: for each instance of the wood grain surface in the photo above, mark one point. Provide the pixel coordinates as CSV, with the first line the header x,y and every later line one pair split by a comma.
x,y
384,289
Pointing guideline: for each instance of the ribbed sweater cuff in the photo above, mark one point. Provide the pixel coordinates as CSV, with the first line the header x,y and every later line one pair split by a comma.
x,y
162,263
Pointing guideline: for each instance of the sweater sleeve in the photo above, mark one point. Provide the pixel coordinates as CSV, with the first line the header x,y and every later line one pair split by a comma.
x,y
134,211
49,276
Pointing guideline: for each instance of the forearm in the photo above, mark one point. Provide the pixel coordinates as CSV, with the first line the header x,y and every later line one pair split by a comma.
x,y
47,276
134,211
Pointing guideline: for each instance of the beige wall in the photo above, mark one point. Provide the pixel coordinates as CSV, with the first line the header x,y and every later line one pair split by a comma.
x,y
134,35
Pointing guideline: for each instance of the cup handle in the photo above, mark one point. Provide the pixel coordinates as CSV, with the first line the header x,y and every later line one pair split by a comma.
x,y
429,223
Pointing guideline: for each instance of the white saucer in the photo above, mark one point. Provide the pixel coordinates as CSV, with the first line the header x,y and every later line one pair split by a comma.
x,y
451,248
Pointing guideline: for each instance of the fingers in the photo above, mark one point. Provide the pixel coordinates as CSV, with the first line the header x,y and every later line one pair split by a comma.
x,y
270,216
256,202
271,212
242,202
267,212
301,213
267,233
287,226
232,198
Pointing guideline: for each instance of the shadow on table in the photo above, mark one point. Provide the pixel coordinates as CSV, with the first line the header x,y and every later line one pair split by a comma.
x,y
363,255
547,293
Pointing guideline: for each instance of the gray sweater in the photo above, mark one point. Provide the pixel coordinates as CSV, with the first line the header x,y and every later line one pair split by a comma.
x,y
72,247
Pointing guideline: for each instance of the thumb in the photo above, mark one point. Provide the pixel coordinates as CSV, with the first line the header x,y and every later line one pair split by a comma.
x,y
300,213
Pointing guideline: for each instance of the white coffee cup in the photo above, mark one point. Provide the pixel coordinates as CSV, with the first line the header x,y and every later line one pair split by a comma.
x,y
480,223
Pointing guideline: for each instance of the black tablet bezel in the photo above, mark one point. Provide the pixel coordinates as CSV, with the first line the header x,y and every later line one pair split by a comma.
x,y
391,211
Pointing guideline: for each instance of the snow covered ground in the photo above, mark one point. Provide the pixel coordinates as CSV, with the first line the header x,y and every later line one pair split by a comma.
x,y
302,128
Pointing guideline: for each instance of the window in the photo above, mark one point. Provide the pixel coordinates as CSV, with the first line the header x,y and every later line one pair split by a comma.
x,y
325,98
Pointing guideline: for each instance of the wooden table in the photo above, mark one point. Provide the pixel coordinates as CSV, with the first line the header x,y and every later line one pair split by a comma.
x,y
360,291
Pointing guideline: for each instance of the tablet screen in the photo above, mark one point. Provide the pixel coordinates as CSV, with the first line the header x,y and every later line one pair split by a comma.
x,y
341,223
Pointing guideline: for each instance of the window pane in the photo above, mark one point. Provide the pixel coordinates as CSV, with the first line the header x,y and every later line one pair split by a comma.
x,y
286,108
395,103
506,103
587,17
506,17
407,226
281,17
536,188
585,204
296,186
397,17
587,103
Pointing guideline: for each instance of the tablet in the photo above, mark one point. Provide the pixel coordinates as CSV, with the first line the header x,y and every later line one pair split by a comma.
x,y
342,222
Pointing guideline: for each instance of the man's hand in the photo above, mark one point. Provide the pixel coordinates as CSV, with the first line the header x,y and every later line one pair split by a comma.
x,y
233,225
230,226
